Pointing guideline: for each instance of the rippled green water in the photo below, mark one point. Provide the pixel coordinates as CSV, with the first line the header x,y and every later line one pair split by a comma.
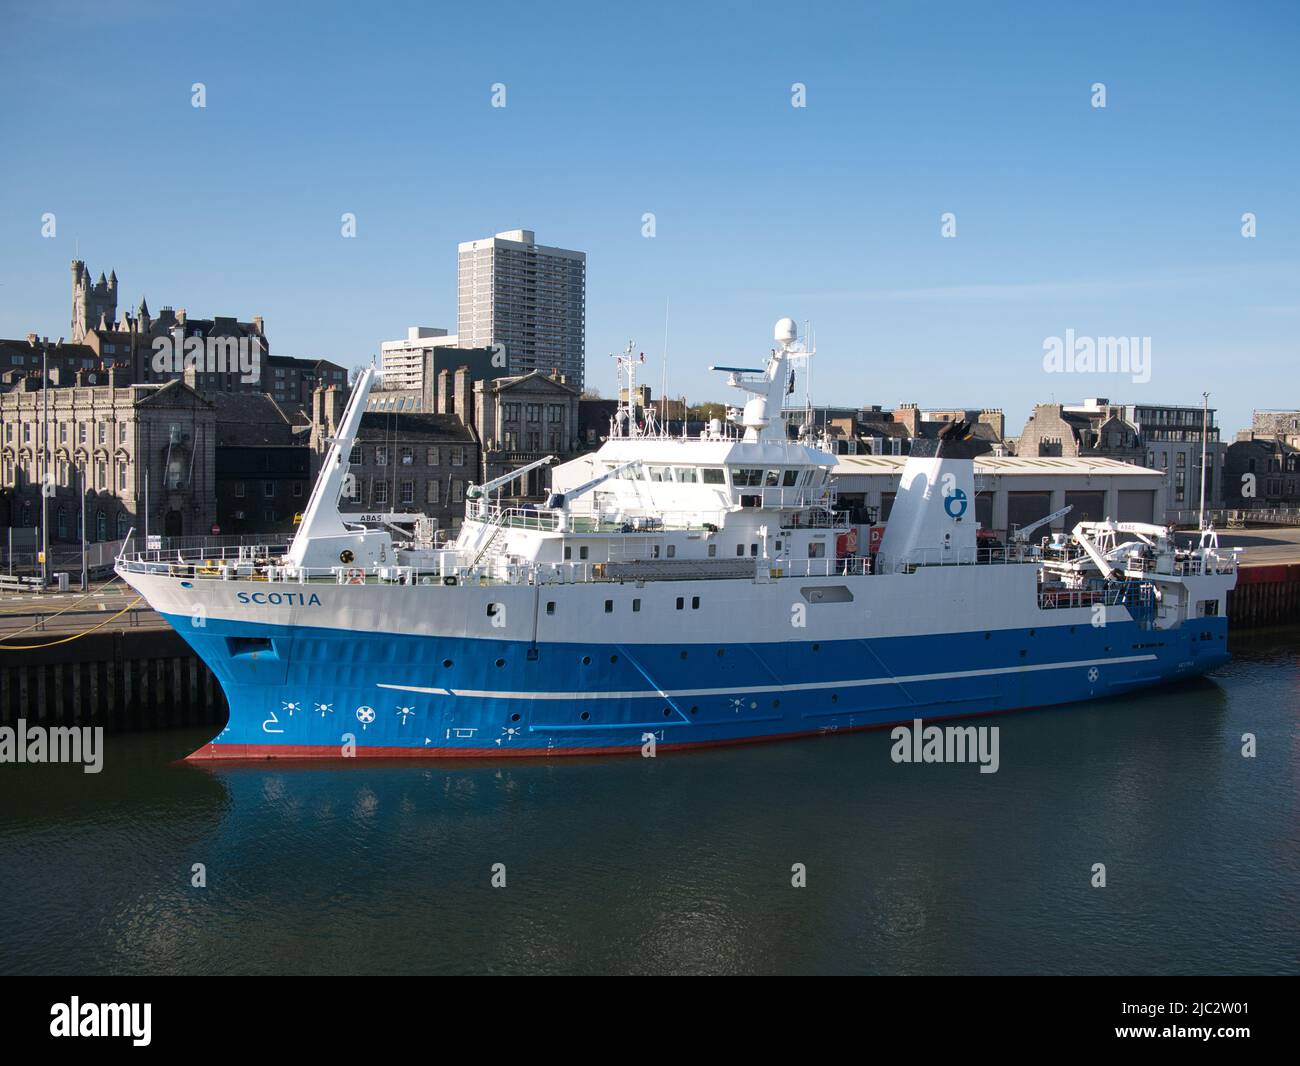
x,y
683,863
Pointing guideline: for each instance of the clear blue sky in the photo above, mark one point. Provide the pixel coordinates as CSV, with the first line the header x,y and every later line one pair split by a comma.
x,y
1122,221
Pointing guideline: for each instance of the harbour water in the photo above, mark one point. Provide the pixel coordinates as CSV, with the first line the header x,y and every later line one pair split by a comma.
x,y
683,863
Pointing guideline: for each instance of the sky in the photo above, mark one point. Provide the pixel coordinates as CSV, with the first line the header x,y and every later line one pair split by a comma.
x,y
1124,220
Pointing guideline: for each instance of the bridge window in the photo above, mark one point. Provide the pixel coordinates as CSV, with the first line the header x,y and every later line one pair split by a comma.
x,y
789,478
712,476
773,479
744,477
685,474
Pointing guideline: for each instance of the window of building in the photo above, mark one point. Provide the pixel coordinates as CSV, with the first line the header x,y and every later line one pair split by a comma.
x,y
297,490
381,455
381,490
582,552
458,456
609,606
239,490
268,490
457,491
431,457
408,492
407,456
431,491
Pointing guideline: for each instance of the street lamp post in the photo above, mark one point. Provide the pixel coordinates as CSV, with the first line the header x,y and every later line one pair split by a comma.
x,y
81,469
45,466
1205,421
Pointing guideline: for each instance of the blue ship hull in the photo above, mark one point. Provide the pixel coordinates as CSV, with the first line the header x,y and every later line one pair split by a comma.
x,y
305,692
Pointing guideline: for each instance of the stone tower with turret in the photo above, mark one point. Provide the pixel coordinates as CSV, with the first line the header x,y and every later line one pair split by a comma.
x,y
91,303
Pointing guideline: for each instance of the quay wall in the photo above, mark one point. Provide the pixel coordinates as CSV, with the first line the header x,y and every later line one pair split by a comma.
x,y
1266,595
123,680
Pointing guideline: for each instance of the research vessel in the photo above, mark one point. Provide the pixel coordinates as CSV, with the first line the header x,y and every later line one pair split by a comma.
x,y
673,592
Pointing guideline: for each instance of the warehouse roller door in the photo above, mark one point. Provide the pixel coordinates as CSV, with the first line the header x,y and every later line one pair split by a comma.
x,y
1088,507
1137,505
1026,507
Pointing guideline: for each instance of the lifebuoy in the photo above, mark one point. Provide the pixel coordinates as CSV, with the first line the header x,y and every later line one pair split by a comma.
x,y
355,576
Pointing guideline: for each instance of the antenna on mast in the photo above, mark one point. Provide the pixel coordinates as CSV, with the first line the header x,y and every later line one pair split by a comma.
x,y
663,381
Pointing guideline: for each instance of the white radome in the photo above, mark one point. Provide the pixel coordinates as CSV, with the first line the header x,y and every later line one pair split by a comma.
x,y
786,331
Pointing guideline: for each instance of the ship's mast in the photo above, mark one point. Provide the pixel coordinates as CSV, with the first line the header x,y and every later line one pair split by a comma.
x,y
624,422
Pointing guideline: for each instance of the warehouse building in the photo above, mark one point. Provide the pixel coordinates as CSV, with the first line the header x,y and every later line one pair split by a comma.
x,y
1012,491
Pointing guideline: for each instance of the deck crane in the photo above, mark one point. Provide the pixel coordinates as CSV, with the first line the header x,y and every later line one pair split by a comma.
x,y
1021,535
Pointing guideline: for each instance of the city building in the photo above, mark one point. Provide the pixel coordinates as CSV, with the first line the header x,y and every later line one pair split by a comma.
x,y
1161,437
27,357
1284,425
531,298
875,431
122,443
263,465
1261,471
439,365
403,361
102,337
520,419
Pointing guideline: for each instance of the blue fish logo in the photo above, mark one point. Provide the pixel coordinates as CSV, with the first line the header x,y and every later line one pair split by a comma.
x,y
955,504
